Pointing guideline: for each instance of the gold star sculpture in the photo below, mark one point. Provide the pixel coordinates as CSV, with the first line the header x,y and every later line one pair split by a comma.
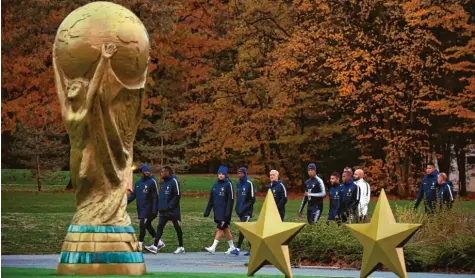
x,y
269,237
383,239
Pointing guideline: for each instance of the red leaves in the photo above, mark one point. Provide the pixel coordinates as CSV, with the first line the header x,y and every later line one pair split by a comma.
x,y
268,81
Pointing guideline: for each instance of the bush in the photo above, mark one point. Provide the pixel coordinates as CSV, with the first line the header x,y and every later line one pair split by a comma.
x,y
261,183
327,244
445,242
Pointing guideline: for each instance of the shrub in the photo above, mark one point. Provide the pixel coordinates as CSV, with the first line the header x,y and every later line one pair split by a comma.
x,y
446,242
261,183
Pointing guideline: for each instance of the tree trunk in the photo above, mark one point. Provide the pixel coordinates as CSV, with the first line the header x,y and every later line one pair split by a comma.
x,y
161,152
444,161
461,163
403,185
264,158
38,173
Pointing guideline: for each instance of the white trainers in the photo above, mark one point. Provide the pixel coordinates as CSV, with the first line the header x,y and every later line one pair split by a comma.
x,y
179,250
230,249
152,249
140,246
210,249
161,244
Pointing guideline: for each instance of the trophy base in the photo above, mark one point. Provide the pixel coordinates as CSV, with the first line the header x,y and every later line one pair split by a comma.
x,y
100,250
101,269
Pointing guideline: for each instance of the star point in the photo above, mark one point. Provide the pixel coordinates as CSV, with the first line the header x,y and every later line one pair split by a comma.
x,y
383,239
269,237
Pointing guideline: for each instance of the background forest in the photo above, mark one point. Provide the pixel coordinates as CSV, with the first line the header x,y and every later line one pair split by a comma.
x,y
384,85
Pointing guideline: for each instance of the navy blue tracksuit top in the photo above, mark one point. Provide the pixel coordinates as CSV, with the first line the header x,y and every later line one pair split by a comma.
x,y
169,200
335,195
146,195
427,187
221,200
446,193
350,197
245,199
316,192
280,196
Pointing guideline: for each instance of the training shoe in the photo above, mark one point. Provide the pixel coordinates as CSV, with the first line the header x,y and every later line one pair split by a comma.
x,y
230,249
210,249
235,252
179,250
140,246
160,245
248,253
152,249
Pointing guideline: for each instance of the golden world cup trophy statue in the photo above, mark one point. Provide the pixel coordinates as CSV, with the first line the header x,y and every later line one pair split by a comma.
x,y
100,59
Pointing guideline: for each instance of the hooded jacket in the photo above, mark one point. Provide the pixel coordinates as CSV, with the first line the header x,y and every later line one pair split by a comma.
x,y
221,198
427,188
146,195
169,198
246,196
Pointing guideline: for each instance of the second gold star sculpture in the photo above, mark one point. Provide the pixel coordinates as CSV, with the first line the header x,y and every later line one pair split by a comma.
x,y
269,238
383,239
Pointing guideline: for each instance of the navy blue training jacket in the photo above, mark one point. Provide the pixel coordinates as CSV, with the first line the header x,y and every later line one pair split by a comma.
x,y
350,197
221,200
280,195
246,197
446,193
427,187
335,195
146,195
169,200
316,192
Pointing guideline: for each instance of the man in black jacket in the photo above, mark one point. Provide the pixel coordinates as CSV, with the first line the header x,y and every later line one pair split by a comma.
x,y
146,195
221,200
169,209
246,197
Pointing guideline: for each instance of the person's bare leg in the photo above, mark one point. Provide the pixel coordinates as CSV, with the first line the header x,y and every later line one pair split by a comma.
x,y
217,237
227,233
229,237
219,234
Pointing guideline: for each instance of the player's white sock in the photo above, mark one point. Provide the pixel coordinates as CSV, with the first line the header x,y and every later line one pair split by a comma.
x,y
215,244
231,244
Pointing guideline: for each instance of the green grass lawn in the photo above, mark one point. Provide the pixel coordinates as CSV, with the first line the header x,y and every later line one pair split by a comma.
x,y
36,223
13,179
33,272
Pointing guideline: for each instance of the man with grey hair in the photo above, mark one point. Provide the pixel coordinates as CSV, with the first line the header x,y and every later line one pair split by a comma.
x,y
365,191
446,194
279,192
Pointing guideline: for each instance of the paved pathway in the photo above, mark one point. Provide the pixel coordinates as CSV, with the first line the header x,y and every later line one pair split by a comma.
x,y
207,263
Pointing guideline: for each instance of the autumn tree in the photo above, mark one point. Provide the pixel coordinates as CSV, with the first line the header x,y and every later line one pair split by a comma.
x,y
163,145
237,113
182,43
278,84
384,71
40,147
451,28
